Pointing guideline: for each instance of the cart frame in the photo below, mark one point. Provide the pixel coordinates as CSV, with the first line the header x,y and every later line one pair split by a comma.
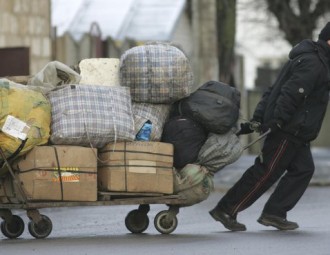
x,y
136,221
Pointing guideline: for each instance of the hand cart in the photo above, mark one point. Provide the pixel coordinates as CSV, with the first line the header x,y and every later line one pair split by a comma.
x,y
136,221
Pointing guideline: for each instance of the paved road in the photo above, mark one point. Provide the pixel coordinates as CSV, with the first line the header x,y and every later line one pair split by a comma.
x,y
101,230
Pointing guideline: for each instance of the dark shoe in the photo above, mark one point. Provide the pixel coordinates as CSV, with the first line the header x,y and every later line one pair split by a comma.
x,y
277,222
228,221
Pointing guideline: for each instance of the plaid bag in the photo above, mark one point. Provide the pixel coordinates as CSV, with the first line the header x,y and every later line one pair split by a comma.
x,y
91,115
155,113
156,73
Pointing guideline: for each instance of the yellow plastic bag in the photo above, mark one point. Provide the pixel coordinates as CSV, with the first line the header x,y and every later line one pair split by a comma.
x,y
23,108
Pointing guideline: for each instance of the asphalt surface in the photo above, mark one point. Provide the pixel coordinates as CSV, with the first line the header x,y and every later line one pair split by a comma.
x,y
101,229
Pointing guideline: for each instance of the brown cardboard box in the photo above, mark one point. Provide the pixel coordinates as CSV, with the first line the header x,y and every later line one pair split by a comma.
x,y
65,173
136,167
152,151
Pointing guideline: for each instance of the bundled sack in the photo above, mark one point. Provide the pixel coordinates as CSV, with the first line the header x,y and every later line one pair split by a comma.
x,y
194,183
91,115
52,75
99,71
187,136
156,73
220,150
25,117
214,105
155,113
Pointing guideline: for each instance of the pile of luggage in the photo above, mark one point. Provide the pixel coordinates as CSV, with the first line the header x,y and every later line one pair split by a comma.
x,y
117,125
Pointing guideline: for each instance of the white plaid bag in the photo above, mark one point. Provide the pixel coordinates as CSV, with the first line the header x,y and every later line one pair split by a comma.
x,y
156,73
91,115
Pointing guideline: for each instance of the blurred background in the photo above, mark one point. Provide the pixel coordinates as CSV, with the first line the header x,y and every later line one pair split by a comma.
x,y
242,43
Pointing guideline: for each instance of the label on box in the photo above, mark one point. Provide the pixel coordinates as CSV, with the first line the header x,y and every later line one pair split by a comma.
x,y
15,127
142,167
68,174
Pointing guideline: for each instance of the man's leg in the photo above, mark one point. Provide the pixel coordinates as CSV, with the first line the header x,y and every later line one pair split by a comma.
x,y
292,185
277,154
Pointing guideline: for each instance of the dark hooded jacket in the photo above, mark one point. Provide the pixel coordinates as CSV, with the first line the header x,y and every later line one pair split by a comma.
x,y
299,97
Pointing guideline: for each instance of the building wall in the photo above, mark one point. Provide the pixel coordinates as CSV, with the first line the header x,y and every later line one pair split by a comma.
x,y
183,37
26,23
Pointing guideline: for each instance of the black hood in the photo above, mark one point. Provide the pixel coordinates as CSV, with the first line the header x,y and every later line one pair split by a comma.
x,y
305,46
325,48
309,46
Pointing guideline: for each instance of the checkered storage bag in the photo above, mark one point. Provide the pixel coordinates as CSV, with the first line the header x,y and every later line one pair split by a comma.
x,y
156,73
157,114
91,115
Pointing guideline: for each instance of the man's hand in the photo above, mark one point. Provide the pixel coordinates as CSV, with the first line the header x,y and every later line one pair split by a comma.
x,y
245,129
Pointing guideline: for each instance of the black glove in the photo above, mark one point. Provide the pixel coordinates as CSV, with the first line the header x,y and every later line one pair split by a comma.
x,y
273,125
245,129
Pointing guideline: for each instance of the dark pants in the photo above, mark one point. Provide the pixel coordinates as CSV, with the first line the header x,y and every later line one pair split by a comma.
x,y
281,158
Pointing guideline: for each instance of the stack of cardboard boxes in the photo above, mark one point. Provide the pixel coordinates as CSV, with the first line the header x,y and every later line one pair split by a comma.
x,y
74,173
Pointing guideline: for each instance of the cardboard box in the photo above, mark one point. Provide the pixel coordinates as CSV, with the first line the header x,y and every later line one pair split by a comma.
x,y
136,167
61,173
137,150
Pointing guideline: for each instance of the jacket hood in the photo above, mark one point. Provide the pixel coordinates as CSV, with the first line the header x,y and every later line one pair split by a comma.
x,y
309,46
305,46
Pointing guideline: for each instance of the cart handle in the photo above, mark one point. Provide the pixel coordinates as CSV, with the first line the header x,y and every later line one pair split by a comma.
x,y
257,139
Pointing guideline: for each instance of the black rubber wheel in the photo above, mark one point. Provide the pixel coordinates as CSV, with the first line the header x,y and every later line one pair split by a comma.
x,y
136,221
13,228
42,229
163,224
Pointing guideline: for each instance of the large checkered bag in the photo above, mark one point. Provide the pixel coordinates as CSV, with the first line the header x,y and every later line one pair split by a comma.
x,y
91,115
157,114
156,73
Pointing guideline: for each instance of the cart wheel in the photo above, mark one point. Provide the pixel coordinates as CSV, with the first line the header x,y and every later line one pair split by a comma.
x,y
136,221
41,229
13,228
164,223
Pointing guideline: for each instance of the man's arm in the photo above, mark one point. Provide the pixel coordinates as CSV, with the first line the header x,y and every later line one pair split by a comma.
x,y
294,91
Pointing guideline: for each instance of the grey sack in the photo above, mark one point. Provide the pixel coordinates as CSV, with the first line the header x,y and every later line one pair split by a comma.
x,y
220,150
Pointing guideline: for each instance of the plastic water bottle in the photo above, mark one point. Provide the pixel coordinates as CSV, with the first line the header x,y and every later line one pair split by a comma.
x,y
145,132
